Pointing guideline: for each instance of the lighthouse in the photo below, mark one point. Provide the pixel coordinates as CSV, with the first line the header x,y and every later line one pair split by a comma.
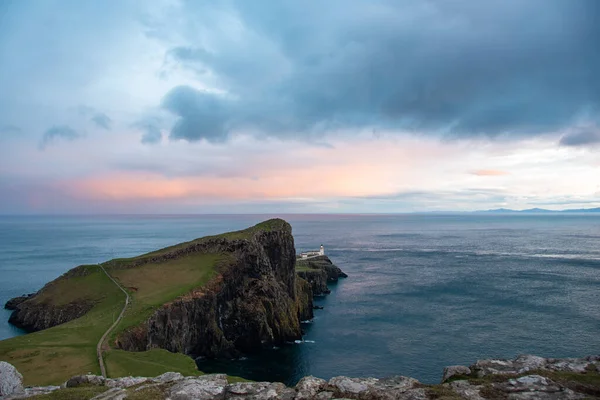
x,y
322,250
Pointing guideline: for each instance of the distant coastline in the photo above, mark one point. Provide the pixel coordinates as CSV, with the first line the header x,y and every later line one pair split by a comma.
x,y
541,211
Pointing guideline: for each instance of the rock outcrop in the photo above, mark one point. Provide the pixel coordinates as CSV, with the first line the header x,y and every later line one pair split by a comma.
x,y
318,271
254,302
526,377
14,302
35,312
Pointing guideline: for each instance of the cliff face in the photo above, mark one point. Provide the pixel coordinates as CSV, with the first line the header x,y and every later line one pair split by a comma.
x,y
318,271
256,301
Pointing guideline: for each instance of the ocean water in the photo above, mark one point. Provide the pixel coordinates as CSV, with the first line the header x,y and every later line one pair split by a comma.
x,y
424,291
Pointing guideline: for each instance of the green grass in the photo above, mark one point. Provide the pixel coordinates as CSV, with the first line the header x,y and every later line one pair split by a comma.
x,y
53,355
148,363
304,265
152,285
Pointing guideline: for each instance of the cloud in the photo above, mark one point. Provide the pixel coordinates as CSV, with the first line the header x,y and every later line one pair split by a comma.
x,y
201,115
453,68
489,172
582,137
102,120
56,132
10,129
151,126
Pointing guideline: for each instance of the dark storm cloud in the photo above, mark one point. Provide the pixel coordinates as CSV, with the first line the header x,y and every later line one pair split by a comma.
x,y
201,115
459,68
58,132
102,120
581,138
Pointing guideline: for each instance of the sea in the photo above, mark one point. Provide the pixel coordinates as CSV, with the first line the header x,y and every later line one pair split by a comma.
x,y
424,290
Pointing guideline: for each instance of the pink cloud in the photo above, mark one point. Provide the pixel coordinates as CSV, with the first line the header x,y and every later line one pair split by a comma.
x,y
489,172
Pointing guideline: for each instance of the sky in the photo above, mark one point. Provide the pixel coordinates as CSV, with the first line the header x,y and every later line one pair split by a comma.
x,y
338,106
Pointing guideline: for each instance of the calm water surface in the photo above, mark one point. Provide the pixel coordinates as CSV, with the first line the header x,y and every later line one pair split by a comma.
x,y
424,291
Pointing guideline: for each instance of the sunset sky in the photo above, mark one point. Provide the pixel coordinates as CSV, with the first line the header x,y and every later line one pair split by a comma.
x,y
172,106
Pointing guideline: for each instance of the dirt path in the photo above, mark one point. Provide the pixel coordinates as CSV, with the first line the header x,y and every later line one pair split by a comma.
x,y
99,346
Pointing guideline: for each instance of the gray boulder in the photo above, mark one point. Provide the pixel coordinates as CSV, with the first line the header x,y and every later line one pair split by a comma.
x,y
455,370
199,388
11,381
535,387
309,386
465,390
125,382
168,377
398,387
259,391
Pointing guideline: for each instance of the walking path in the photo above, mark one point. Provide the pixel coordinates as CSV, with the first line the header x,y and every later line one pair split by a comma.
x,y
99,346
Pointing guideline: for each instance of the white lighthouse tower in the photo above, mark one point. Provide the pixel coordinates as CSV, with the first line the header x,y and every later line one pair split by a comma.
x,y
322,250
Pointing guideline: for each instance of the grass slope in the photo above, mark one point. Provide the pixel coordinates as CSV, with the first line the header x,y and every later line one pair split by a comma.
x,y
53,355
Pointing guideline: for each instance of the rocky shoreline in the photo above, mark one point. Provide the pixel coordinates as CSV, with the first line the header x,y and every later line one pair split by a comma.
x,y
525,377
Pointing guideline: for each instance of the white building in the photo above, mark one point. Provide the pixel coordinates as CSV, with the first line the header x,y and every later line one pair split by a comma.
x,y
313,253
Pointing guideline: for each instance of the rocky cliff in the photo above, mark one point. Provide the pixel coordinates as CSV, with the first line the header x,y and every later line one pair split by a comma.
x,y
318,271
255,301
38,311
525,377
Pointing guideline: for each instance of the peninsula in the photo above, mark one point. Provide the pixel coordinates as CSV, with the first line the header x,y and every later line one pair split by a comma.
x,y
218,296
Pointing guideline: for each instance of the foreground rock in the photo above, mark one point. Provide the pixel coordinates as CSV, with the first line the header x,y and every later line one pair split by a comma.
x,y
525,377
11,381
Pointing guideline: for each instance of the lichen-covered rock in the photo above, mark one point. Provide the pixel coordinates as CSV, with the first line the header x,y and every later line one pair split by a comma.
x,y
525,363
259,391
168,377
115,393
11,381
535,387
199,388
126,382
309,386
455,370
79,380
466,391
398,387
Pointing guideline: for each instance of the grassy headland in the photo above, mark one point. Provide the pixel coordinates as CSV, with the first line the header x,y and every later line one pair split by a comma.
x,y
53,355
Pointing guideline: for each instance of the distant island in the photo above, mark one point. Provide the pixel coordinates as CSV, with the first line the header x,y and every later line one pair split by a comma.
x,y
541,211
